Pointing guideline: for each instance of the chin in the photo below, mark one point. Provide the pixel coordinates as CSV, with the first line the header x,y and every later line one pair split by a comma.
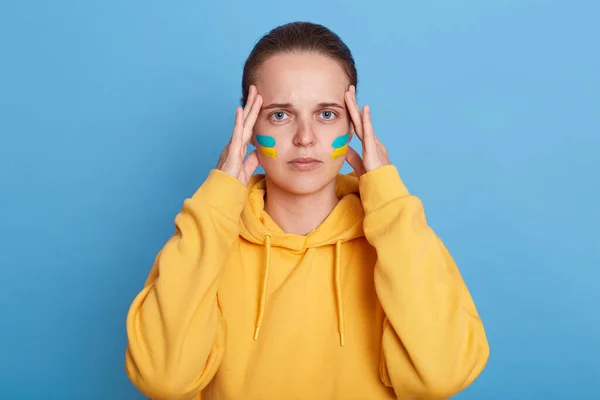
x,y
300,182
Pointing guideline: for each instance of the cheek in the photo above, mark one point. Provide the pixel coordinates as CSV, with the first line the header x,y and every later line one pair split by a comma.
x,y
273,142
265,144
340,145
264,139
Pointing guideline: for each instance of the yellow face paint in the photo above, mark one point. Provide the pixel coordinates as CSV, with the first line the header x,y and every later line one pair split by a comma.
x,y
268,151
266,145
340,145
339,152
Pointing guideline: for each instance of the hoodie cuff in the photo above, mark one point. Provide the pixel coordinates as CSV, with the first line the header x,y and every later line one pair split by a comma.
x,y
223,192
380,186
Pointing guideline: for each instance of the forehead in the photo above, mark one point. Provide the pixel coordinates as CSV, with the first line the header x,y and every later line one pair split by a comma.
x,y
301,77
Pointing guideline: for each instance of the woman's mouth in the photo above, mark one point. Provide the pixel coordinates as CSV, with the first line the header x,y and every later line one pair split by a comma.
x,y
305,163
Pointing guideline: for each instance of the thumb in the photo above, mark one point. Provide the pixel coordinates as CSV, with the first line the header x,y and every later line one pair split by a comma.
x,y
354,160
251,163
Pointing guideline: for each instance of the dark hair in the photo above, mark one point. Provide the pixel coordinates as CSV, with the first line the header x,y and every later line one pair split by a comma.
x,y
297,37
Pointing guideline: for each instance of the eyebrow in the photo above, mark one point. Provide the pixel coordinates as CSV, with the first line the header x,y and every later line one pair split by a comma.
x,y
290,105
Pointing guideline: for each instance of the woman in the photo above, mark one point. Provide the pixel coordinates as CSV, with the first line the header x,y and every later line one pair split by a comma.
x,y
303,283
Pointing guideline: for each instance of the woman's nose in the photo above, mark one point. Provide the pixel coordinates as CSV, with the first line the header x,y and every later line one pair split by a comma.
x,y
304,135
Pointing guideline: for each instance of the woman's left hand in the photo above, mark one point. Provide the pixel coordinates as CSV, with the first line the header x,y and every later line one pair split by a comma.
x,y
374,154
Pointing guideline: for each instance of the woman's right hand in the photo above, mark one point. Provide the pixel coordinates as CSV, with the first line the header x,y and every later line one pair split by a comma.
x,y
232,160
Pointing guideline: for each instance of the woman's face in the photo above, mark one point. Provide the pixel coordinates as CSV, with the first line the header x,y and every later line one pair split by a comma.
x,y
303,128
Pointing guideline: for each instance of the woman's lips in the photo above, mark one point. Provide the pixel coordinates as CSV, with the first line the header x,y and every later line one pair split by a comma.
x,y
305,163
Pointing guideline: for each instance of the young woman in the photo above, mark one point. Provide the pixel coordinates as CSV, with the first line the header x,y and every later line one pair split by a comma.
x,y
303,283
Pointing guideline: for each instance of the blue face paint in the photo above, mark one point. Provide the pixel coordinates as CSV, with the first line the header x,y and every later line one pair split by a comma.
x,y
265,141
340,145
340,141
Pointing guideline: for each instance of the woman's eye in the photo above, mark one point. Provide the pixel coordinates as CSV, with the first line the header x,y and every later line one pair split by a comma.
x,y
328,114
279,115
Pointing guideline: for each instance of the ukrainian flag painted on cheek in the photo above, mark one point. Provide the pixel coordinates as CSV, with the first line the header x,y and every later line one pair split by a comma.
x,y
266,145
340,145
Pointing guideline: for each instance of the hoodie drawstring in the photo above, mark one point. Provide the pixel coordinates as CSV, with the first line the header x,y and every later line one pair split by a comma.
x,y
263,294
338,288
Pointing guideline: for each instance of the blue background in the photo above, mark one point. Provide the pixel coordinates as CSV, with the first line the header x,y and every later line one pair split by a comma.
x,y
112,112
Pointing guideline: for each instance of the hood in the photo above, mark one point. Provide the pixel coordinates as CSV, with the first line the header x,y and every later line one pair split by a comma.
x,y
343,224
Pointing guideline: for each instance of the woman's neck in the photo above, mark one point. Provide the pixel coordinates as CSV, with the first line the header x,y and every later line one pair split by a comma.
x,y
299,214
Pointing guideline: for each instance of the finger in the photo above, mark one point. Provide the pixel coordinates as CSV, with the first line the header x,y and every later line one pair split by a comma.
x,y
354,112
358,112
251,119
238,131
368,135
221,160
354,160
381,147
250,100
251,163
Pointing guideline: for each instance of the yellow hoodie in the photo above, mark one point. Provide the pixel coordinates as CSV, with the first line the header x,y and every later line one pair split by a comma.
x,y
370,305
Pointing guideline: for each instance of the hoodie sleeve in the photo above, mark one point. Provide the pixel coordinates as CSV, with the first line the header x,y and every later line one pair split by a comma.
x,y
433,344
175,329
